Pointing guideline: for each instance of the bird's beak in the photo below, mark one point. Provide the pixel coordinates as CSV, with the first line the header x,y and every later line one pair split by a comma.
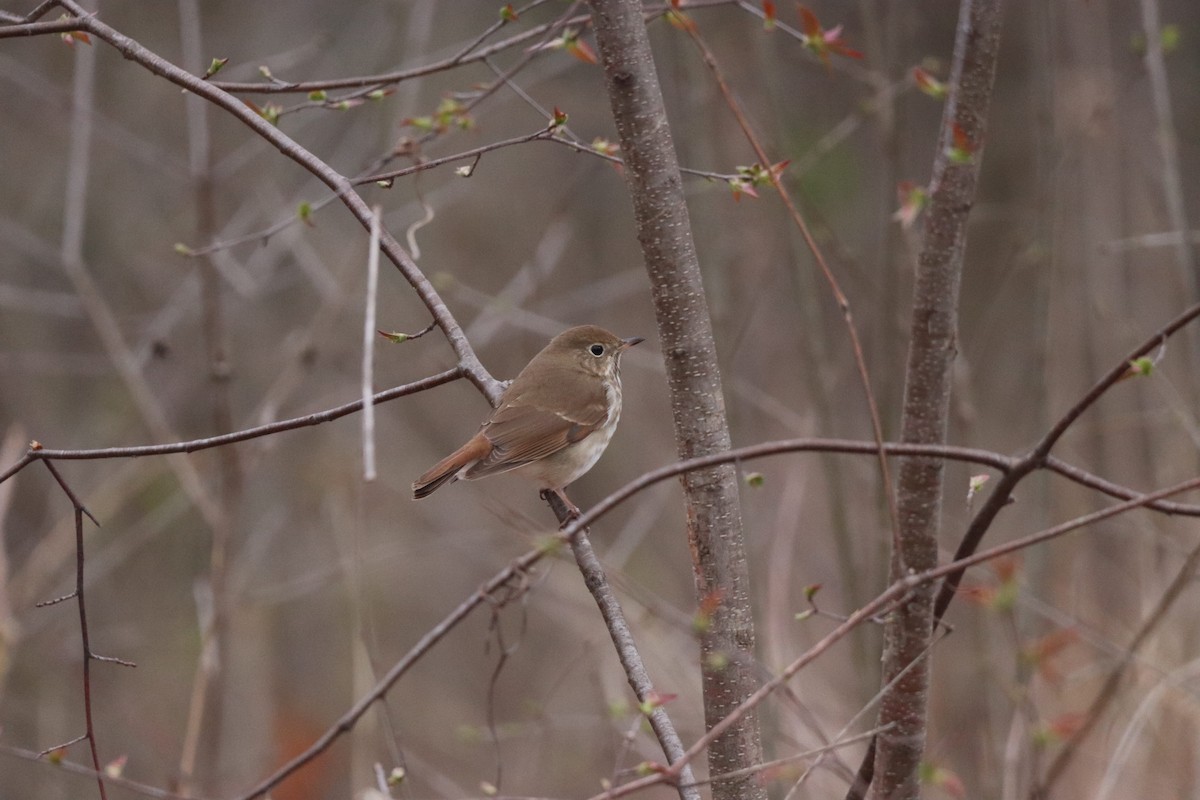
x,y
630,342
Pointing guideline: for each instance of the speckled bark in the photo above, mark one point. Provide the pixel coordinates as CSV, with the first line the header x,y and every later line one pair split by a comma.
x,y
932,348
713,512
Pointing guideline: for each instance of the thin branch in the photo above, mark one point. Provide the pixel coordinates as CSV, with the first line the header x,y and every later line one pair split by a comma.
x,y
391,175
627,651
1172,174
524,562
88,655
87,772
473,370
431,637
1040,455
38,453
890,597
1108,692
805,755
839,296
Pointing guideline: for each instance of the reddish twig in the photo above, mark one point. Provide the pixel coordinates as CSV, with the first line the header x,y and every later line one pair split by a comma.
x,y
839,296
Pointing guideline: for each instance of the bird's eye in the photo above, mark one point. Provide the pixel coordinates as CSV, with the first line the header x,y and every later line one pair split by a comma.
x,y
596,350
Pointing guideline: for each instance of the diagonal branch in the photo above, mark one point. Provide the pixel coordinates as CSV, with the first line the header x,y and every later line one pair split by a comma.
x,y
132,50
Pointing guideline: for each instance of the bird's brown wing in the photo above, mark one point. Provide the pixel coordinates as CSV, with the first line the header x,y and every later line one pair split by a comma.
x,y
525,428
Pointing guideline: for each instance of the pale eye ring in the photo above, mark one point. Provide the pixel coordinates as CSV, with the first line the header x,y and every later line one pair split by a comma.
x,y
597,350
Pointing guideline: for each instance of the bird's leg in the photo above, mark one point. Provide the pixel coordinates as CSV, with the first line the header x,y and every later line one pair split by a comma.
x,y
565,510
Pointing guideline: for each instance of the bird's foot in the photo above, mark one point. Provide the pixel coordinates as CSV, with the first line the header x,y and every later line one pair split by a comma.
x,y
568,510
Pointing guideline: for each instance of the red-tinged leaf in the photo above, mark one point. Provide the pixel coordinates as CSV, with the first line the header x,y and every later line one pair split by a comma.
x,y
1042,651
961,140
676,4
962,149
1059,729
944,779
809,23
604,146
655,699
582,50
1064,726
394,336
71,37
929,84
979,595
823,42
1007,567
740,186
768,7
649,768
843,50
508,13
913,200
811,590
114,768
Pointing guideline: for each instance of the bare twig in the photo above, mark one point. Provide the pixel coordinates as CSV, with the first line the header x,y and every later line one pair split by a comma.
x,y
1108,692
39,453
431,637
839,296
1040,454
85,771
893,595
631,660
368,360
88,655
473,370
1172,174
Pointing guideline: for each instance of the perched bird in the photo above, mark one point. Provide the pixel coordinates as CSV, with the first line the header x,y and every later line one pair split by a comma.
x,y
554,420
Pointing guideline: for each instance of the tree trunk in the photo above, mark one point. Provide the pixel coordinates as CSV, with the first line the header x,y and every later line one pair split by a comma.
x,y
932,347
714,520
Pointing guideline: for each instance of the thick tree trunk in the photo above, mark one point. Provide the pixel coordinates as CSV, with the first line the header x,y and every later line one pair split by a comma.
x,y
932,347
711,496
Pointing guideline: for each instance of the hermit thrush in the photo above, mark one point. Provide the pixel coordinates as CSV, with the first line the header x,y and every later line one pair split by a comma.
x,y
554,420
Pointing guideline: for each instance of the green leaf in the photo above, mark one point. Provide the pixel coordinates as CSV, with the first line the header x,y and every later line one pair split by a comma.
x,y
394,336
1141,366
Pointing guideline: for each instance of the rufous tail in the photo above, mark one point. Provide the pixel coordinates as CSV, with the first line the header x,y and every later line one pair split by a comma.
x,y
446,470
